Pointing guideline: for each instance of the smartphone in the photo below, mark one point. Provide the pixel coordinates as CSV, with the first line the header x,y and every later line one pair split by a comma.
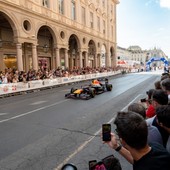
x,y
92,164
106,132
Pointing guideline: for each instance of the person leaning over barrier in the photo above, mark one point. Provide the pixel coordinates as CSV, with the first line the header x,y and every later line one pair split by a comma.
x,y
132,132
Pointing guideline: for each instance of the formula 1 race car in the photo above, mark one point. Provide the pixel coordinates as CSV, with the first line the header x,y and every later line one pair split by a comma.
x,y
82,93
101,85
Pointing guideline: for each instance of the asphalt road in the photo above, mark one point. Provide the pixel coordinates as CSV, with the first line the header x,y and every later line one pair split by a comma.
x,y
43,130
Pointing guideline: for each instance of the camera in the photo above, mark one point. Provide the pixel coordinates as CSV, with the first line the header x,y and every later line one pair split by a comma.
x,y
143,100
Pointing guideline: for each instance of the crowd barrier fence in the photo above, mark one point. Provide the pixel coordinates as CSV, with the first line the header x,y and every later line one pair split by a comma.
x,y
11,88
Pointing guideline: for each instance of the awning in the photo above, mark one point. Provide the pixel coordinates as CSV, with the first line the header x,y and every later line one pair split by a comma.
x,y
121,62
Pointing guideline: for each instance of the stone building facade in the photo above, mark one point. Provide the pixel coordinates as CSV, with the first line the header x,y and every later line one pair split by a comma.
x,y
137,54
57,33
123,53
141,57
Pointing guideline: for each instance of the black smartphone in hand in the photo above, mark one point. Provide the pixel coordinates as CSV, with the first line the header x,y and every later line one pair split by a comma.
x,y
106,132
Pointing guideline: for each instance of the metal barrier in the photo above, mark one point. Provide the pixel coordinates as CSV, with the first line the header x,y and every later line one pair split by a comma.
x,y
11,88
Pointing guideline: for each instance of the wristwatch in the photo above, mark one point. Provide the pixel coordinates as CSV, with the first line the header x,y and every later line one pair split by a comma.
x,y
118,148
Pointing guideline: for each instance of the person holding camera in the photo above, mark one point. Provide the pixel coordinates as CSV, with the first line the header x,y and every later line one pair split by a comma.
x,y
150,111
147,103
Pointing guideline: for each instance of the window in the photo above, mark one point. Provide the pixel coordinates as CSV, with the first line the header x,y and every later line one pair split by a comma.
x,y
73,10
91,19
83,12
27,25
98,23
61,6
45,3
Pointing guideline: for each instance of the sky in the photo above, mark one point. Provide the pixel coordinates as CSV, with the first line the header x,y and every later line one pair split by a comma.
x,y
145,23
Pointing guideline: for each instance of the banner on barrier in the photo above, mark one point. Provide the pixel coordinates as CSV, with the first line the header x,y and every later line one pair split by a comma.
x,y
20,86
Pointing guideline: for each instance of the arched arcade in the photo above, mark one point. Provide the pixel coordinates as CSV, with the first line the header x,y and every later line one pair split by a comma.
x,y
37,44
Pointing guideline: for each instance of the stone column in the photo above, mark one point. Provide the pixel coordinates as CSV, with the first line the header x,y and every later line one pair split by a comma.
x,y
76,60
2,65
95,60
114,60
86,59
80,59
71,61
99,58
66,58
108,60
19,57
34,57
57,55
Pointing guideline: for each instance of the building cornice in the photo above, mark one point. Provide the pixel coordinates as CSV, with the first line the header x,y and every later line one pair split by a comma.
x,y
116,1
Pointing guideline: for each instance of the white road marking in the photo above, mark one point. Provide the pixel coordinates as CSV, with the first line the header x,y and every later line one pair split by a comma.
x,y
41,108
1,114
89,140
111,120
158,72
77,151
38,102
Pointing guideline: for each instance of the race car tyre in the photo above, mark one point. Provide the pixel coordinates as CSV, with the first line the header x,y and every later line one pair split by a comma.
x,y
109,87
67,95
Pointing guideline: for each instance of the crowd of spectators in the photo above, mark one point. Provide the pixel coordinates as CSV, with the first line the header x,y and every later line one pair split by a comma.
x,y
144,139
10,75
